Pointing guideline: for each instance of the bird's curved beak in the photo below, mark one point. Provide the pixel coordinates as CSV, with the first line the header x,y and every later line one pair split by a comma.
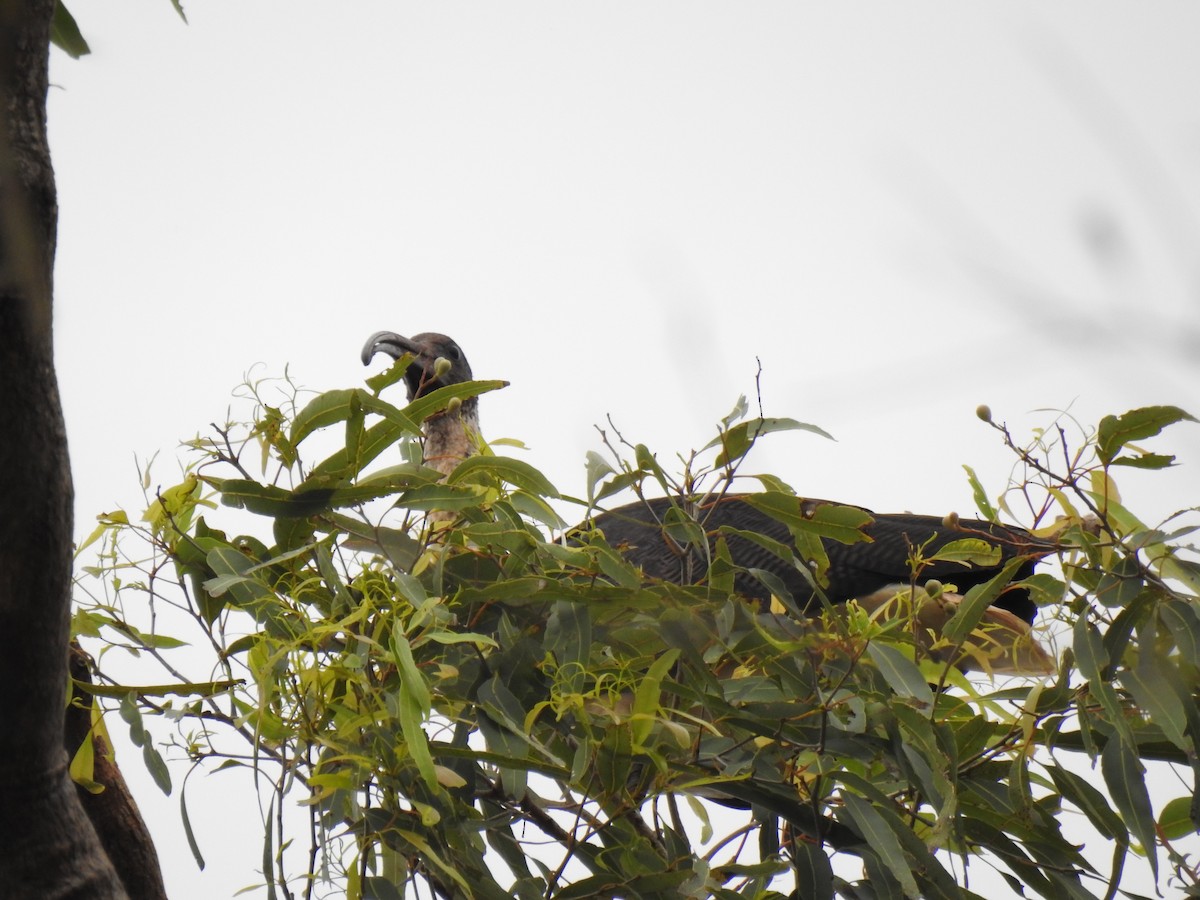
x,y
394,345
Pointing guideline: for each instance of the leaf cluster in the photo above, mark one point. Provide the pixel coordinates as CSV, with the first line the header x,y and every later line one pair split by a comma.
x,y
476,701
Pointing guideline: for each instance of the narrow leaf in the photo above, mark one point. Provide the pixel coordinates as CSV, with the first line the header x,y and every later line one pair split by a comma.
x,y
65,34
646,700
1157,687
977,600
1093,665
882,840
157,768
415,739
1137,424
969,552
1146,461
736,442
814,874
1093,803
1125,777
1185,628
187,825
982,503
900,672
411,679
513,471
830,520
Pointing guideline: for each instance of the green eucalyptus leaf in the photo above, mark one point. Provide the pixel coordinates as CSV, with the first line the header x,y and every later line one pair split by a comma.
x,y
1146,461
1125,777
1181,618
736,442
189,834
1120,584
646,700
157,768
1175,821
1158,688
829,520
598,469
881,837
901,673
1094,804
448,497
982,503
1137,424
968,552
977,600
814,874
516,472
65,34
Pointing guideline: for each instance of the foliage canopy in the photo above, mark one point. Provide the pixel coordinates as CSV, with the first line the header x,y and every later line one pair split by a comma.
x,y
443,692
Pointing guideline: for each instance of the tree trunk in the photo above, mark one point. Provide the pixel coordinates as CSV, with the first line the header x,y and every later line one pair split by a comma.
x,y
48,847
113,811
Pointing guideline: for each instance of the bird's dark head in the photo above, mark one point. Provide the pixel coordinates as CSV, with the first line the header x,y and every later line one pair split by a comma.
x,y
425,373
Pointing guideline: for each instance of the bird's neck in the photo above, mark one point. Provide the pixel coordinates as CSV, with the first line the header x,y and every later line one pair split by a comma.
x,y
450,437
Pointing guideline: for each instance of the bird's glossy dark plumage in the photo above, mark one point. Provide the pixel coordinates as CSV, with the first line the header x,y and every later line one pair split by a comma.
x,y
855,569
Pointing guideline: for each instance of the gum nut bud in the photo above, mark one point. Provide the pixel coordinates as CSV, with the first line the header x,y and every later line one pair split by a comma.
x,y
950,520
454,404
984,412
441,366
933,587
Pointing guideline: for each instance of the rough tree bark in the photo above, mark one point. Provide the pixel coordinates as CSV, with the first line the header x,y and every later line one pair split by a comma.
x,y
48,847
113,811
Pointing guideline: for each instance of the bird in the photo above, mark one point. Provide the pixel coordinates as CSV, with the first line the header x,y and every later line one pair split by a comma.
x,y
873,572
870,571
449,434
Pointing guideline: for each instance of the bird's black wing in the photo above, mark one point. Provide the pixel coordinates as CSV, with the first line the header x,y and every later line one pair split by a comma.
x,y
855,570
863,568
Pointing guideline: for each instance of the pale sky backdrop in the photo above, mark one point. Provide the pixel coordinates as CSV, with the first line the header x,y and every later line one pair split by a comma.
x,y
902,210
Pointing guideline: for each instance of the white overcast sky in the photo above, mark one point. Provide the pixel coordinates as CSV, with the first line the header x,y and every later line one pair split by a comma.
x,y
902,210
